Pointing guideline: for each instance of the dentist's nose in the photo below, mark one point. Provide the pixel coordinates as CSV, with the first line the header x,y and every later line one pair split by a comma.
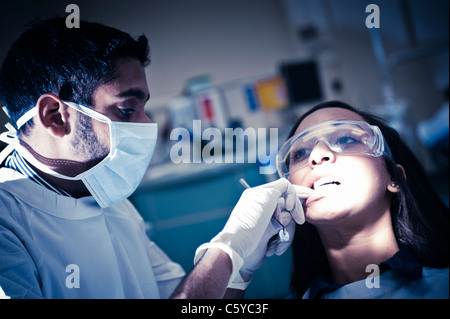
x,y
144,118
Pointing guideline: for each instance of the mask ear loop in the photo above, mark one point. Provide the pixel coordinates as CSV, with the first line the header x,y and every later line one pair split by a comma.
x,y
26,117
31,159
89,112
10,137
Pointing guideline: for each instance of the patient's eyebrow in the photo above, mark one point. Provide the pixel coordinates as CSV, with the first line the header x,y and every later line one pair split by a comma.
x,y
138,93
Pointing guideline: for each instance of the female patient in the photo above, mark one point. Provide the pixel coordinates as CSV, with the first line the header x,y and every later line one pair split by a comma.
x,y
372,213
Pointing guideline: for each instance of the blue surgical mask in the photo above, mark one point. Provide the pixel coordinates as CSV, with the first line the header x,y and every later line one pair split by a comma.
x,y
118,175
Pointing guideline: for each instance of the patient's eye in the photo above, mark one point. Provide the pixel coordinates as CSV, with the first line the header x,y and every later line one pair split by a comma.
x,y
299,155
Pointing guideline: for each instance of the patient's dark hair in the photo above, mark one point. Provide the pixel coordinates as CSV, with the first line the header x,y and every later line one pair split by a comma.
x,y
419,217
70,63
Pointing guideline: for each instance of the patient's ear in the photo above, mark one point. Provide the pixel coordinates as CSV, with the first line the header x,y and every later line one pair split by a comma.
x,y
401,169
393,186
53,115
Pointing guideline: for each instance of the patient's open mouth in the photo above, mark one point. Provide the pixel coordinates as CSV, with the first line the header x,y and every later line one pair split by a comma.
x,y
323,187
325,182
331,183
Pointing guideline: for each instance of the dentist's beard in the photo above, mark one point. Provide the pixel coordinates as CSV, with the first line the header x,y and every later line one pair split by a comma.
x,y
86,144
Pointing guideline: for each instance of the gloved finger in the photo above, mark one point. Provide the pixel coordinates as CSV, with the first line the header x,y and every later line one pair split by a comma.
x,y
272,246
290,201
283,246
265,195
282,185
273,243
302,191
271,237
282,193
276,246
294,206
285,218
279,208
284,206
293,203
297,213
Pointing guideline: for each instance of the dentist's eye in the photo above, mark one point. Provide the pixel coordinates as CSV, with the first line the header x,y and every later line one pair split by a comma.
x,y
126,112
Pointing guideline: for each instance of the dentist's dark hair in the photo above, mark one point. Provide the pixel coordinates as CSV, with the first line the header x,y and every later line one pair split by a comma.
x,y
70,63
419,216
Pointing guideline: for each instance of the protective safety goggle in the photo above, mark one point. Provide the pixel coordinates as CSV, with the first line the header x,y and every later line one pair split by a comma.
x,y
344,137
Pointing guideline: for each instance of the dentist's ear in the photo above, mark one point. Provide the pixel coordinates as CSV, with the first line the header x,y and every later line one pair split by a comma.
x,y
53,115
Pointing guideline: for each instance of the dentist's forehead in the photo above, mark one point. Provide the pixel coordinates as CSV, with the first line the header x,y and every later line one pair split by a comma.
x,y
328,114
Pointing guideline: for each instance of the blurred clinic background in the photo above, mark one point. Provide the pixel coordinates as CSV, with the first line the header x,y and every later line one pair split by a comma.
x,y
261,64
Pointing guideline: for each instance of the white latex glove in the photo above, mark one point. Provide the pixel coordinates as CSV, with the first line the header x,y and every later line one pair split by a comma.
x,y
250,219
276,246
270,242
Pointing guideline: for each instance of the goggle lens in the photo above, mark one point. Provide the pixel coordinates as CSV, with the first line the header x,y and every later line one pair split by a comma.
x,y
342,136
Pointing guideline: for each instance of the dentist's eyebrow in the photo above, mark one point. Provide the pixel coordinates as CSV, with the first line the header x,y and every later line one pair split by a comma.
x,y
137,93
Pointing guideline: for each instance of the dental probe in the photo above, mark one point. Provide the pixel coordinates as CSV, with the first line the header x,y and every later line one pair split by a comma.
x,y
283,234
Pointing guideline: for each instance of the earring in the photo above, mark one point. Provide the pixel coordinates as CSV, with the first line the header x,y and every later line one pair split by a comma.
x,y
395,185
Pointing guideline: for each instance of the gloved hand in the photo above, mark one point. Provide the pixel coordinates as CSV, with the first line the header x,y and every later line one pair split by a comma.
x,y
282,214
250,219
270,243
